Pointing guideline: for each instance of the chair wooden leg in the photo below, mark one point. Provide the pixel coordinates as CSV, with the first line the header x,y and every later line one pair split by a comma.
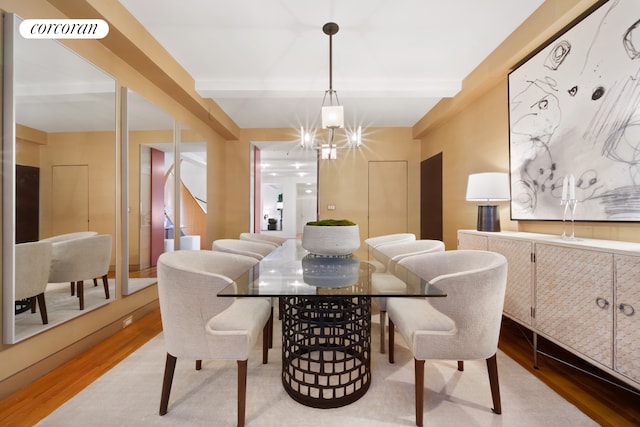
x,y
242,391
198,365
271,329
80,292
383,316
73,288
266,340
391,340
95,282
492,367
419,380
43,309
169,369
105,282
460,365
32,304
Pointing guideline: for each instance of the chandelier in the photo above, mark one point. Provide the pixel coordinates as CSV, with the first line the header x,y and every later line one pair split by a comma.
x,y
332,114
332,111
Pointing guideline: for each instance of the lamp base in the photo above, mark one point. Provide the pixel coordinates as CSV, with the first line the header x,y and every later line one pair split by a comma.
x,y
488,218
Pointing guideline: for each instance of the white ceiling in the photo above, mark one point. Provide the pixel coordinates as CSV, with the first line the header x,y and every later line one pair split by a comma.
x,y
266,62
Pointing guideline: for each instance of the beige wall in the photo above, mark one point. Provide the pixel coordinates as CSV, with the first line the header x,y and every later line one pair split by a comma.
x,y
472,130
97,150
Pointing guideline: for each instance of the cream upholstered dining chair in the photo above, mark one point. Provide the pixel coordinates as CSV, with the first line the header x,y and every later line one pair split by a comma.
x,y
79,259
375,242
199,325
263,238
255,250
69,236
389,254
32,262
464,325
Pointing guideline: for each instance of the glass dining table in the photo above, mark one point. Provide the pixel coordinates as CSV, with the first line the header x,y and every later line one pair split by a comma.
x,y
325,306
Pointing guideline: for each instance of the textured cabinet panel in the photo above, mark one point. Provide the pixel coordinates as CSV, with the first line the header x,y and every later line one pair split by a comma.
x,y
518,299
472,241
627,338
574,298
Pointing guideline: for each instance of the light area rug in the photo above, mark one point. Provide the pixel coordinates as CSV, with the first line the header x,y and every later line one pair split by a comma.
x,y
129,395
62,306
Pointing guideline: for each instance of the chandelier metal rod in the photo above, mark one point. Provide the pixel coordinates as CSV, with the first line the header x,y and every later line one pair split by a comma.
x,y
330,62
330,28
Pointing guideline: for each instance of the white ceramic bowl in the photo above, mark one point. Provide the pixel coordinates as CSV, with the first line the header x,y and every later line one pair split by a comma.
x,y
331,240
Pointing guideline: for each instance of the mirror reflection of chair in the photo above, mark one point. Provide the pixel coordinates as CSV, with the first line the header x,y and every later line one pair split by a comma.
x,y
389,254
378,241
69,236
199,325
77,260
32,261
464,325
263,238
257,250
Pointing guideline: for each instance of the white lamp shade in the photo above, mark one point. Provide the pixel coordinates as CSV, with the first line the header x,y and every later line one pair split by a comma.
x,y
333,116
488,186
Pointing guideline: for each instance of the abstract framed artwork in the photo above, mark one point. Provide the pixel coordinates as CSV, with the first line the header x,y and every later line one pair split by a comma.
x,y
574,110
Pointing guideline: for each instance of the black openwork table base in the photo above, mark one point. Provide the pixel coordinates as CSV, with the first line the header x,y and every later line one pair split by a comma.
x,y
326,350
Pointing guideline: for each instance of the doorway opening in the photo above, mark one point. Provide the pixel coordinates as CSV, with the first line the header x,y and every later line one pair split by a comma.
x,y
284,188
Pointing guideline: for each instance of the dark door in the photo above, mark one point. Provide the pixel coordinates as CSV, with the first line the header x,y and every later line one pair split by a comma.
x,y
27,204
431,198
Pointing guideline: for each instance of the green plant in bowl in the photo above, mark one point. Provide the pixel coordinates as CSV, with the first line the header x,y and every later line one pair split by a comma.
x,y
331,237
332,222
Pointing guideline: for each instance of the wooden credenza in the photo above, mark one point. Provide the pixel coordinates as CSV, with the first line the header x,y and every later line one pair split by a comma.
x,y
583,295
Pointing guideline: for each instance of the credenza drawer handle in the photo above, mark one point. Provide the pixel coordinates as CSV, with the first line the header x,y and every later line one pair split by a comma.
x,y
602,303
627,309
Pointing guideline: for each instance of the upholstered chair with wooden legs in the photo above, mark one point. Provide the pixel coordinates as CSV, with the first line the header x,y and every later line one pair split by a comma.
x,y
32,261
254,249
373,243
390,254
199,325
257,250
79,259
263,238
69,236
464,325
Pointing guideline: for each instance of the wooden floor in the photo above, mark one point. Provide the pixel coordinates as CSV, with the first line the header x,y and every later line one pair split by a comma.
x,y
607,405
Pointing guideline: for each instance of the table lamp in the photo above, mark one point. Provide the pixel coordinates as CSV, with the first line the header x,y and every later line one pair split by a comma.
x,y
488,186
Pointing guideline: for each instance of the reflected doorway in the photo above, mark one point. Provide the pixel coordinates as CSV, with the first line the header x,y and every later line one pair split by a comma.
x,y
284,188
158,221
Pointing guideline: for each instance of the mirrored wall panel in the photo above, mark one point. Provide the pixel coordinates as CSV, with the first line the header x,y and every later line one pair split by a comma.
x,y
59,164
150,149
193,190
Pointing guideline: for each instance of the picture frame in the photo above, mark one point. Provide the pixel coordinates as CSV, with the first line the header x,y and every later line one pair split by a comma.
x,y
574,111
